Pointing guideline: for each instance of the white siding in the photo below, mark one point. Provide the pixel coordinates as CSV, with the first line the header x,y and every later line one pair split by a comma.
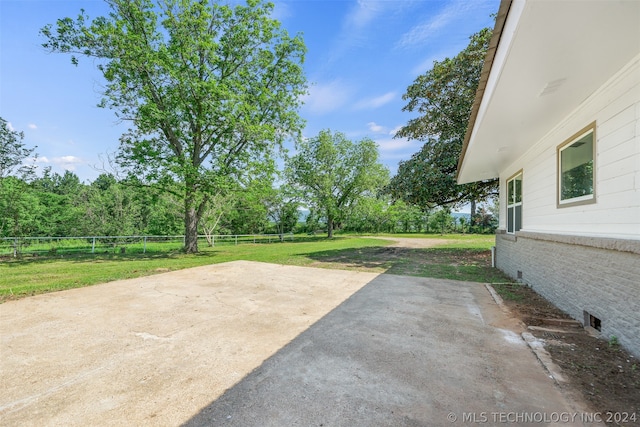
x,y
616,109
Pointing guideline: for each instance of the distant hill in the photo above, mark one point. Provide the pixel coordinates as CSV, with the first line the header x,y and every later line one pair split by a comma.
x,y
303,213
464,215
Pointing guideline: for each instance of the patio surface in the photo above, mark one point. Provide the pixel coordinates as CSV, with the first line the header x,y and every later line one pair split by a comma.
x,y
255,344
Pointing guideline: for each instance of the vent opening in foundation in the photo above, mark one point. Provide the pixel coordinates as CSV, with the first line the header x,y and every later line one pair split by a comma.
x,y
593,321
519,274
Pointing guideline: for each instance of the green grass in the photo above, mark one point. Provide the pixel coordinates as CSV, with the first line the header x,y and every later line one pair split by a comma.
x,y
442,262
34,275
461,258
509,291
49,247
468,241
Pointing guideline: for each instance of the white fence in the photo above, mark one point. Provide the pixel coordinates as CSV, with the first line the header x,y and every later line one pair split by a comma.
x,y
14,246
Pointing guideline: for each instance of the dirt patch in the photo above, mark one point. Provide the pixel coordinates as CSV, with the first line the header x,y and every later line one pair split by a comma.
x,y
409,242
472,265
530,307
607,376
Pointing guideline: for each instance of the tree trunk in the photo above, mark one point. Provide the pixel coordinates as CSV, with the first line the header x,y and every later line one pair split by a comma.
x,y
190,222
280,226
329,226
473,208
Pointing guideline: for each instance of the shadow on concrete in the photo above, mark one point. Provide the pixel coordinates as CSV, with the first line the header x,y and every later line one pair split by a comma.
x,y
402,351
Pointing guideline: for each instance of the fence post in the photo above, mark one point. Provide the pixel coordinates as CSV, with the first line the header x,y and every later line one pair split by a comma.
x,y
213,240
144,247
93,246
236,240
254,238
15,247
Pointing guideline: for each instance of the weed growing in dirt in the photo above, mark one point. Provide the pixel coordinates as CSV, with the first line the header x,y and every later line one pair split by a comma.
x,y
613,342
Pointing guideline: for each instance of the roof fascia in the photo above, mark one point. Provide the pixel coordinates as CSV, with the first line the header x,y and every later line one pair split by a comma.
x,y
501,18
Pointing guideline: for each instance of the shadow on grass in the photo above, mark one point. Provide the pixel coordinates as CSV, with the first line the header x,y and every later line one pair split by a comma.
x,y
82,255
174,254
440,263
88,257
28,276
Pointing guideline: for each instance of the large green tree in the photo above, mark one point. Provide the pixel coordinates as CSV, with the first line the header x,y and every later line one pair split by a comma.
x,y
332,172
443,98
206,87
370,215
18,206
14,155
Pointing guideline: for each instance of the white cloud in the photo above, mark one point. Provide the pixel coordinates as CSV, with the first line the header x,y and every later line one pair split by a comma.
x,y
42,159
32,126
399,144
422,32
373,127
10,127
67,162
327,97
379,101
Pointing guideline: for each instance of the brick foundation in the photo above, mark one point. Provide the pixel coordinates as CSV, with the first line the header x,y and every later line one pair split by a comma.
x,y
599,276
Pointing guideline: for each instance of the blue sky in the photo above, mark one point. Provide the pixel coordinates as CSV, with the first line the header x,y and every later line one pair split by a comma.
x,y
361,57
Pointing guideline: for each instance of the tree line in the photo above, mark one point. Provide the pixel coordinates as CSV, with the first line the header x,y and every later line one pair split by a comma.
x,y
61,205
336,182
211,92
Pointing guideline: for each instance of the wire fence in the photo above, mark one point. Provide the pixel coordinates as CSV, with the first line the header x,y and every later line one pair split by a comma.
x,y
17,246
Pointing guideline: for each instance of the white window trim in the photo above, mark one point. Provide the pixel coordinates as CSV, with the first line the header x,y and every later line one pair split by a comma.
x,y
516,204
587,198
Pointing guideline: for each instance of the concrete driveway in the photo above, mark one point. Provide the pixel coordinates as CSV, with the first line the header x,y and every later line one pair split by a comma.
x,y
254,344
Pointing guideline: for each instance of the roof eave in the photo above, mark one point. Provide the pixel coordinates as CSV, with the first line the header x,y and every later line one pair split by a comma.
x,y
501,18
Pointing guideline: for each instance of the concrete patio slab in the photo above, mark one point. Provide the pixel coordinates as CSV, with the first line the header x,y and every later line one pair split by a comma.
x,y
254,344
402,351
154,350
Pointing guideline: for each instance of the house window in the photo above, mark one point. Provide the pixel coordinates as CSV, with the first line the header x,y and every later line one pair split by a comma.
x,y
514,203
576,168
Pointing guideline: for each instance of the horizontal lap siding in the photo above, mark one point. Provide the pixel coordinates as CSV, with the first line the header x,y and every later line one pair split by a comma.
x,y
578,277
616,110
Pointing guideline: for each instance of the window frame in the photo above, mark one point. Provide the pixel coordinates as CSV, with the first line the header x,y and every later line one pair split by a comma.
x,y
514,204
580,200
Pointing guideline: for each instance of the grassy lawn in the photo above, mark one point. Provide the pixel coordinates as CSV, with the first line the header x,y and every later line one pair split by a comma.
x,y
465,241
438,262
460,258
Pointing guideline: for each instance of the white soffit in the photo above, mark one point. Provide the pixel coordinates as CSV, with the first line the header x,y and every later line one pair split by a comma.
x,y
552,56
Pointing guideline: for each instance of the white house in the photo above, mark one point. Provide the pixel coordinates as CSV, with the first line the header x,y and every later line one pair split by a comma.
x,y
557,120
